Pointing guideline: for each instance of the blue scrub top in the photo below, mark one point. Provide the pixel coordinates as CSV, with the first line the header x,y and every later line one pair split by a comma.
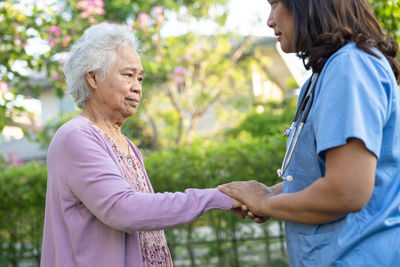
x,y
356,97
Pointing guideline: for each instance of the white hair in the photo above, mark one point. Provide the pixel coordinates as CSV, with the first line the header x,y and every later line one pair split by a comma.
x,y
97,51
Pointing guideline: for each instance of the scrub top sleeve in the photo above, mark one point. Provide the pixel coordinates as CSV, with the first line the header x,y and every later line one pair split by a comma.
x,y
351,102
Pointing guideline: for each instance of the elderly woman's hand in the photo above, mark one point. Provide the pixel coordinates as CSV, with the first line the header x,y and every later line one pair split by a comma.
x,y
237,209
254,217
252,195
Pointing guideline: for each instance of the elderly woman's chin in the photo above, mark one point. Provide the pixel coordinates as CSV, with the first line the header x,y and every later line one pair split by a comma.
x,y
131,108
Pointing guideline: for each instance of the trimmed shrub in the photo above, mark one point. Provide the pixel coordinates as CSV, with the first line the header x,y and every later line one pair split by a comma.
x,y
22,202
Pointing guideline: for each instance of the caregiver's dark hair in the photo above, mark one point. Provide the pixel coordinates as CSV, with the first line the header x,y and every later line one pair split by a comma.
x,y
323,26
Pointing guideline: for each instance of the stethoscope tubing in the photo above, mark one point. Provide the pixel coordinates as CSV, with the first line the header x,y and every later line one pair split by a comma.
x,y
287,158
304,107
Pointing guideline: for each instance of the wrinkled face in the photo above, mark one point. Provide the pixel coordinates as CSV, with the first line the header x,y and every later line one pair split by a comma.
x,y
281,20
120,92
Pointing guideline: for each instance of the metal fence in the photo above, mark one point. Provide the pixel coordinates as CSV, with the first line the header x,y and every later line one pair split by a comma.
x,y
245,244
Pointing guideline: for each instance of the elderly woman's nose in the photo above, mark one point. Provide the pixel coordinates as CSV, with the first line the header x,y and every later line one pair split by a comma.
x,y
136,86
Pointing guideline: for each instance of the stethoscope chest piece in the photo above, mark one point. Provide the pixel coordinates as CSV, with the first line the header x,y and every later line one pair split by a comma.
x,y
288,178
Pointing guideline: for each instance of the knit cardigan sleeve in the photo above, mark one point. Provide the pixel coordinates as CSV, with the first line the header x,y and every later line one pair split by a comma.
x,y
89,170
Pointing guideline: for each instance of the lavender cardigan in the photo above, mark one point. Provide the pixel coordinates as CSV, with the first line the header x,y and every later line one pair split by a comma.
x,y
93,216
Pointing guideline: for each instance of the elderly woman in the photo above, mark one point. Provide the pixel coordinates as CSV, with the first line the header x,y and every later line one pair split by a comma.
x,y
101,209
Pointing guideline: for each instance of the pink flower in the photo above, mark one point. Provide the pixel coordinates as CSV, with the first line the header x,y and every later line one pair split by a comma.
x,y
179,74
55,30
60,8
82,5
99,3
90,7
52,42
157,10
144,20
179,70
3,88
187,56
14,160
92,20
66,40
99,11
85,14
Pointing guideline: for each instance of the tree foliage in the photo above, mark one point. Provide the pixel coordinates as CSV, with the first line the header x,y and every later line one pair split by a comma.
x,y
36,34
186,75
388,13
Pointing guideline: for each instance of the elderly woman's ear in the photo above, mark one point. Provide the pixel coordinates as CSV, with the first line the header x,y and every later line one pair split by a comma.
x,y
91,79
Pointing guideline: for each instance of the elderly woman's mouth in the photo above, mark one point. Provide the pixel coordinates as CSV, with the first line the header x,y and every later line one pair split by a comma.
x,y
132,101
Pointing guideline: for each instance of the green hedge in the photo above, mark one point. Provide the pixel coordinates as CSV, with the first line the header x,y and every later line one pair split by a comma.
x,y
22,202
270,123
209,164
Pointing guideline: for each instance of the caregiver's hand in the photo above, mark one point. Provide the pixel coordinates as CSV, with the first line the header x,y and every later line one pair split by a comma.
x,y
251,194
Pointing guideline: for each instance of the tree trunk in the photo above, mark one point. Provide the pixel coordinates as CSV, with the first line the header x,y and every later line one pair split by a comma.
x,y
181,115
197,114
192,127
154,137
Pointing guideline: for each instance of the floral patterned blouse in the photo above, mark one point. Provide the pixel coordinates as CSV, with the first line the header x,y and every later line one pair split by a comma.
x,y
153,244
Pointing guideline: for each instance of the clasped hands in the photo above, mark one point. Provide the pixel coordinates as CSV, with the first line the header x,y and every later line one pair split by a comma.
x,y
249,198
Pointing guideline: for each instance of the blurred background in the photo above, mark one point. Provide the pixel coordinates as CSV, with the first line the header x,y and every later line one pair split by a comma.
x,y
217,95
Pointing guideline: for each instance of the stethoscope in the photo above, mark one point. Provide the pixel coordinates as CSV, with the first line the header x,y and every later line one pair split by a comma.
x,y
295,128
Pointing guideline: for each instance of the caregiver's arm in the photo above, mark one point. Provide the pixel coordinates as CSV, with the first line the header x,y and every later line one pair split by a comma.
x,y
346,187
